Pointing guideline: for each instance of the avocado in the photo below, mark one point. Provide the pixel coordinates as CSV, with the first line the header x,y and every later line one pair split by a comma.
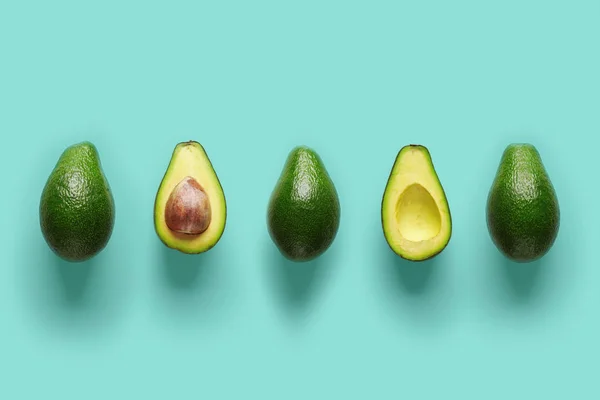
x,y
77,211
304,210
415,215
190,208
523,215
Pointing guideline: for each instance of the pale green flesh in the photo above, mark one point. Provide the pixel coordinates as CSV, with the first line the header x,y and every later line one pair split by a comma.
x,y
417,214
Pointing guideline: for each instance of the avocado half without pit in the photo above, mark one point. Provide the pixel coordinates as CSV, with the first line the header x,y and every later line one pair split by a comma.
x,y
190,208
415,214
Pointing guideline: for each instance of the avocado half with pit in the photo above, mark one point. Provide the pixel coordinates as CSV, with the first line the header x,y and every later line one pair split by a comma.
x,y
415,214
190,209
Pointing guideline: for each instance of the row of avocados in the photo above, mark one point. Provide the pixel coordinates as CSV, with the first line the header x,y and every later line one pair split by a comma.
x,y
77,210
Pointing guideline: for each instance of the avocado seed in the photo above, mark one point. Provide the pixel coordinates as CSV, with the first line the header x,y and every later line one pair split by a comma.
x,y
188,208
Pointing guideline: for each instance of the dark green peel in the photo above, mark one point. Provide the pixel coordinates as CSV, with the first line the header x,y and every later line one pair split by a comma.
x,y
76,207
523,215
304,210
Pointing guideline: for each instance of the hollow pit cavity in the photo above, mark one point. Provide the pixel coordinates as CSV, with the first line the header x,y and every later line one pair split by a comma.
x,y
417,214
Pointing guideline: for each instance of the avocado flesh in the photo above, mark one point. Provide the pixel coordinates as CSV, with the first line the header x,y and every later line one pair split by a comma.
x,y
189,160
304,210
77,210
415,215
523,214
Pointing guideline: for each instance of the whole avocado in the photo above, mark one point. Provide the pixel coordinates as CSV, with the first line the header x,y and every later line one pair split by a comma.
x,y
523,215
304,210
77,211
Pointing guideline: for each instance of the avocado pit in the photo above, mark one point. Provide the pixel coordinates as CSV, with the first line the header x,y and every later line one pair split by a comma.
x,y
188,208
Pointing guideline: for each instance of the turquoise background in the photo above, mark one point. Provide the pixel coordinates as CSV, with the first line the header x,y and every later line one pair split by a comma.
x,y
249,80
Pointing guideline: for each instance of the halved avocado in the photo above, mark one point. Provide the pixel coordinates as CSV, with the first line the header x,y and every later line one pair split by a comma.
x,y
414,212
190,208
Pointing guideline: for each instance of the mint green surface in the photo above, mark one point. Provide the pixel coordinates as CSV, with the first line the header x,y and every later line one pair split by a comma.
x,y
249,80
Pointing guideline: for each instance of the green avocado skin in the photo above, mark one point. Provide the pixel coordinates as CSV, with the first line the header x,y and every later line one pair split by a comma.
x,y
304,209
77,211
523,215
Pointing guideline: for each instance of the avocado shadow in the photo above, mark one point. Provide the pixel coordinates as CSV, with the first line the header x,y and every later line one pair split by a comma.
x,y
415,292
522,279
75,279
295,282
191,289
183,271
412,277
72,298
